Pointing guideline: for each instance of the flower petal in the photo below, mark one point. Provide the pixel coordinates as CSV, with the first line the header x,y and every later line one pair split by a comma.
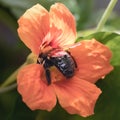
x,y
64,22
33,26
77,96
35,93
93,60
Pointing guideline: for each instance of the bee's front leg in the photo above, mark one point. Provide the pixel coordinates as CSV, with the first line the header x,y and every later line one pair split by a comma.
x,y
48,76
47,64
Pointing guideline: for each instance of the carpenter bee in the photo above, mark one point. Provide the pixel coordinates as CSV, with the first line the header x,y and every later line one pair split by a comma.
x,y
62,60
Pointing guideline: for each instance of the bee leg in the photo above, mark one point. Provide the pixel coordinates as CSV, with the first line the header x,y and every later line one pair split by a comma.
x,y
47,64
48,76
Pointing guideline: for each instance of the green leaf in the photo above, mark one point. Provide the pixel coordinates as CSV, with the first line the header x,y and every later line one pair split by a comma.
x,y
7,101
58,113
20,111
114,21
112,40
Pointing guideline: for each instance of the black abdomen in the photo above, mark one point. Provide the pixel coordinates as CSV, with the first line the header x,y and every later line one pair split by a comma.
x,y
65,64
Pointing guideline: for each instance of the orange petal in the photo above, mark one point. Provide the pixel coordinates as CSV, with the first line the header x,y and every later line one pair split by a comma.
x,y
93,60
63,20
77,96
33,26
35,93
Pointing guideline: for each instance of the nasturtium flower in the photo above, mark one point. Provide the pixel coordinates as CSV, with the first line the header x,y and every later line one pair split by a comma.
x,y
41,30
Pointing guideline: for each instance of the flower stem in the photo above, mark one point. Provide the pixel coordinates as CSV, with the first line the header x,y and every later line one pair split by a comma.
x,y
8,88
106,15
31,58
12,77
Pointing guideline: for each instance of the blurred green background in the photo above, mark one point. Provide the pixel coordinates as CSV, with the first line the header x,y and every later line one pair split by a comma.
x,y
13,53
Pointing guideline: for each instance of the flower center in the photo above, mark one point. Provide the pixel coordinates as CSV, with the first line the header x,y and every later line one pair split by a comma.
x,y
55,76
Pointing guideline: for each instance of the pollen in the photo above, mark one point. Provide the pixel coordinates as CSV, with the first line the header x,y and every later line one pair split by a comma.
x,y
56,75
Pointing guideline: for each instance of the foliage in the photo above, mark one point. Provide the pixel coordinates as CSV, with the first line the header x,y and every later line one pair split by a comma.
x,y
14,54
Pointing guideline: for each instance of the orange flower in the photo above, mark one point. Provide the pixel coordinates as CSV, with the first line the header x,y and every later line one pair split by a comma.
x,y
41,30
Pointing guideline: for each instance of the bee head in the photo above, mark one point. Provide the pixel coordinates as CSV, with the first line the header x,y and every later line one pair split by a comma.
x,y
41,58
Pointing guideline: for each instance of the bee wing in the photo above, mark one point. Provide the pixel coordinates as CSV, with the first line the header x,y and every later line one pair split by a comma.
x,y
71,46
58,54
61,52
